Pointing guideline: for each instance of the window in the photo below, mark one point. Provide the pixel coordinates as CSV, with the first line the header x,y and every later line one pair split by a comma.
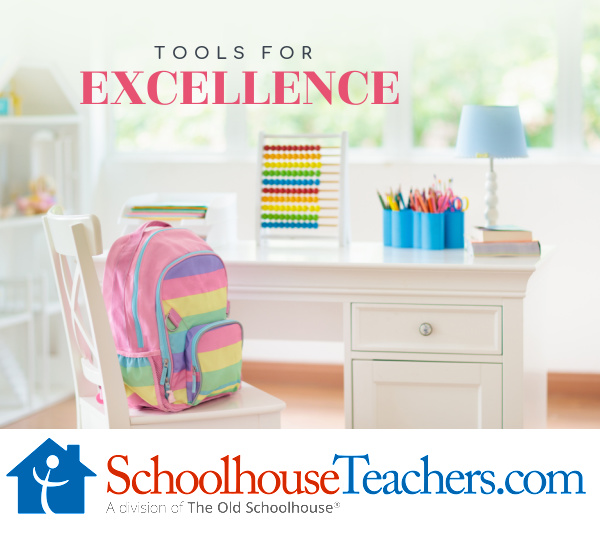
x,y
506,54
151,127
590,67
165,129
500,63
364,123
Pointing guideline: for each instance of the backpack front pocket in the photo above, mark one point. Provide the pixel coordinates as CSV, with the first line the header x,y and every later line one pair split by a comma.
x,y
213,355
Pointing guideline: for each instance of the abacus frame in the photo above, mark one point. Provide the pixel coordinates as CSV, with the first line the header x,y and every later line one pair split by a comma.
x,y
343,225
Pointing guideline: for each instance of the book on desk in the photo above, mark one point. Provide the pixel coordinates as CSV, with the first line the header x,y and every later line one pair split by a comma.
x,y
210,215
503,241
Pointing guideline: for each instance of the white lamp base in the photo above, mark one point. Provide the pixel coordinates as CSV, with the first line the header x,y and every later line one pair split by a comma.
x,y
491,199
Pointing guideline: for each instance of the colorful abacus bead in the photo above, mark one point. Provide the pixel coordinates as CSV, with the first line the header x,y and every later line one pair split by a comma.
x,y
289,225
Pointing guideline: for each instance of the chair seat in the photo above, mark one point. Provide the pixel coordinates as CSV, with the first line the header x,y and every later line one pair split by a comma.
x,y
247,408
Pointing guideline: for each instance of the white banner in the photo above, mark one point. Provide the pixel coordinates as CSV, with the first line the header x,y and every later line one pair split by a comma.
x,y
479,482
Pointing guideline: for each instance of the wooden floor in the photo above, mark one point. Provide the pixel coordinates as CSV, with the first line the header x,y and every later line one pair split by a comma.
x,y
316,400
573,400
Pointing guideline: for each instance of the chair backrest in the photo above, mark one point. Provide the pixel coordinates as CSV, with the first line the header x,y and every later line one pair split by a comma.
x,y
91,345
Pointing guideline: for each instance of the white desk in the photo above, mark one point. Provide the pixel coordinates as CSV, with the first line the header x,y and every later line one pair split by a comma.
x,y
480,366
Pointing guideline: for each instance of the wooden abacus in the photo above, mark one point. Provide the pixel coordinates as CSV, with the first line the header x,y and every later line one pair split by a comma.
x,y
303,187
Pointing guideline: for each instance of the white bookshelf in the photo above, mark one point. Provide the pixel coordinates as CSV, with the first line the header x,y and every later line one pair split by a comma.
x,y
39,120
34,367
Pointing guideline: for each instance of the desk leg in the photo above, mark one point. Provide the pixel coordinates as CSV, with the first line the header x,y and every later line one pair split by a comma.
x,y
348,408
524,366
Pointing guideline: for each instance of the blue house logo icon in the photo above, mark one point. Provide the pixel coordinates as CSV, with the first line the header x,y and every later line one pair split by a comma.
x,y
52,480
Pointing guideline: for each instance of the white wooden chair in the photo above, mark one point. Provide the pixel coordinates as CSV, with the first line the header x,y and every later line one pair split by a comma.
x,y
94,357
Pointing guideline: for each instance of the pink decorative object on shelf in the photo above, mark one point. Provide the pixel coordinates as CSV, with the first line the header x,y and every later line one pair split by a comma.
x,y
40,199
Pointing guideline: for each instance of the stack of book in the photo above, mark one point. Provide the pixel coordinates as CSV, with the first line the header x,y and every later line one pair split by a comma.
x,y
503,241
166,212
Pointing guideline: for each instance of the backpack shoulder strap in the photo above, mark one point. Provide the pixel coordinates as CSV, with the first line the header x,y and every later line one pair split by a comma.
x,y
118,265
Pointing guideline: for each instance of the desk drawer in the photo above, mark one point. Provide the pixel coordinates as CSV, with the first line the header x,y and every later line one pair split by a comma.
x,y
453,329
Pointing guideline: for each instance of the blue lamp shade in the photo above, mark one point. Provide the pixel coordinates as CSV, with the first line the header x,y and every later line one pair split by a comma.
x,y
491,131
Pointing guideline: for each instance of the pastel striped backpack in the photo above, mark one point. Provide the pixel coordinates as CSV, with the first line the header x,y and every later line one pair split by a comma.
x,y
165,291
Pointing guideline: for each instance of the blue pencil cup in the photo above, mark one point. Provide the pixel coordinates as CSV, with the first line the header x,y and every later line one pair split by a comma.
x,y
4,106
454,231
387,227
402,229
432,231
416,229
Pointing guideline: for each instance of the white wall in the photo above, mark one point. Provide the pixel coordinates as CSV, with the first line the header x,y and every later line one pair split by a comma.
x,y
557,199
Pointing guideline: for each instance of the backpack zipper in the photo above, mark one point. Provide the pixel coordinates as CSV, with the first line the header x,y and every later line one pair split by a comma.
x,y
134,297
197,335
164,346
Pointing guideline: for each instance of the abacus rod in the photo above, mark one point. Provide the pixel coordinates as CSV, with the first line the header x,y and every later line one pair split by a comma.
x,y
308,136
322,147
304,201
277,167
290,194
301,189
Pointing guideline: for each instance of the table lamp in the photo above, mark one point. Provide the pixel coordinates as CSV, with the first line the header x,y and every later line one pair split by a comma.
x,y
490,132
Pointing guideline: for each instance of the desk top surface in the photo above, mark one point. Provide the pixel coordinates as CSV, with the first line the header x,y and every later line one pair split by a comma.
x,y
368,254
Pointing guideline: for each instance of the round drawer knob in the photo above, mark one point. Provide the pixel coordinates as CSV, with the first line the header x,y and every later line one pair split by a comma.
x,y
425,329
